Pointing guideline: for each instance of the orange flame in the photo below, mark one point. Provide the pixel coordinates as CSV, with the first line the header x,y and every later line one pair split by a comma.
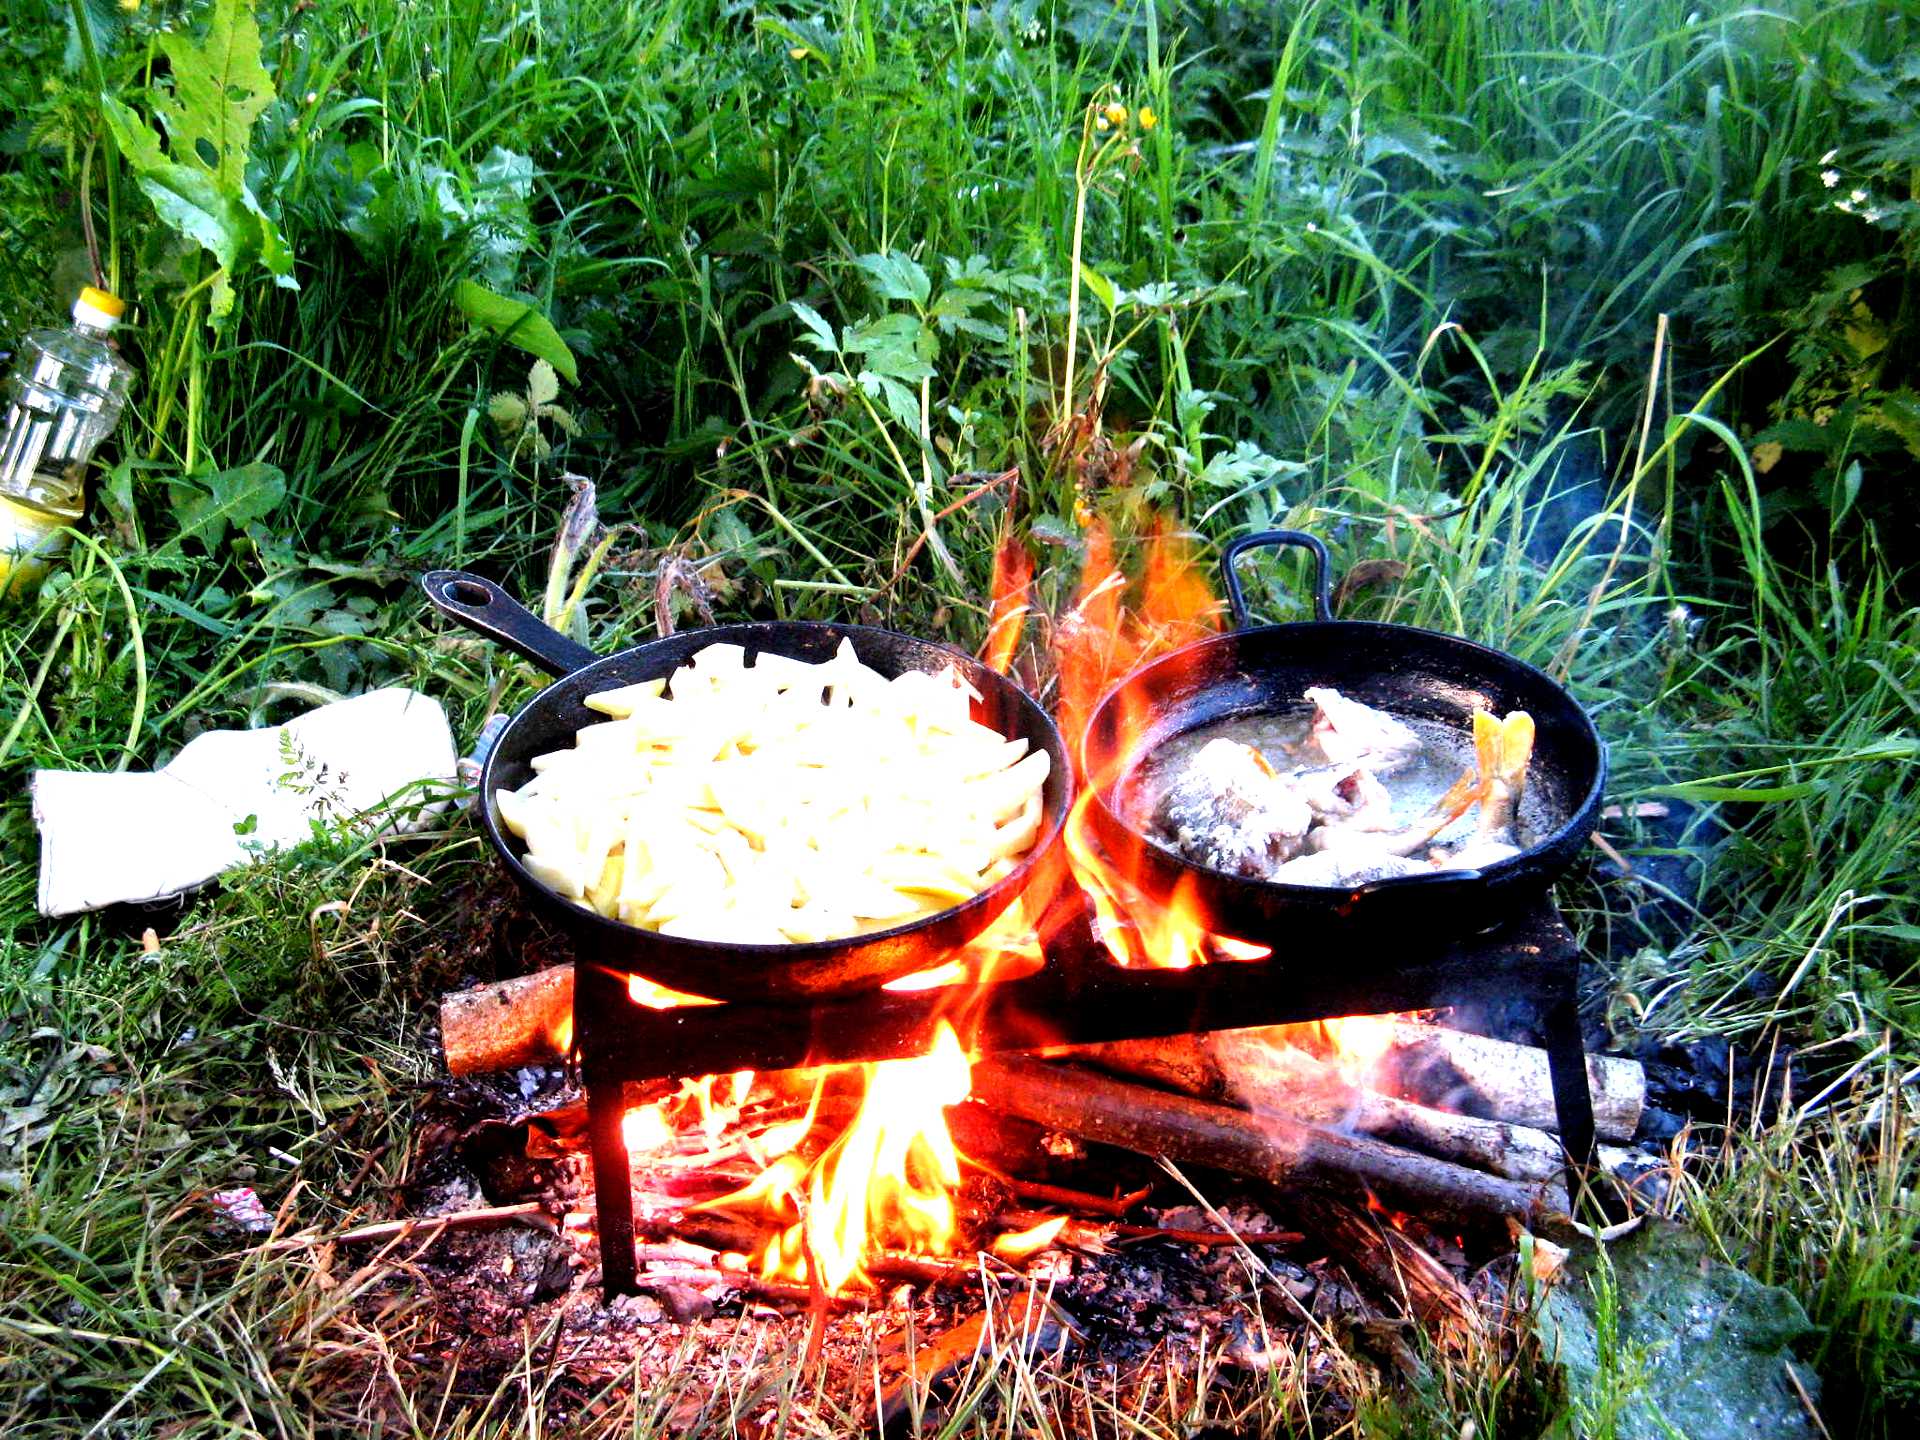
x,y
1012,587
1113,627
887,1180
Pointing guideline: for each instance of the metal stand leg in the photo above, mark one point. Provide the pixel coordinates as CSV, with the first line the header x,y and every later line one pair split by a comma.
x,y
1572,1100
612,1186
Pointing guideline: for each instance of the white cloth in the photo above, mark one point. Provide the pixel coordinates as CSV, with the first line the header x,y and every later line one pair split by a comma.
x,y
231,794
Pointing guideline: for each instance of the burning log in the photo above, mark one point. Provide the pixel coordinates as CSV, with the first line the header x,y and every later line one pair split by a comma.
x,y
527,1020
1399,1267
1499,1080
1275,1148
1262,1071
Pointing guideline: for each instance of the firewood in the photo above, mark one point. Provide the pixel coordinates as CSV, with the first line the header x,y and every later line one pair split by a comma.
x,y
1397,1266
1262,1071
1274,1148
530,1212
1503,1081
1116,1230
1075,1199
527,1020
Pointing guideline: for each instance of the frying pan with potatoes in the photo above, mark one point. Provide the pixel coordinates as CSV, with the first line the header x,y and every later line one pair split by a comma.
x,y
768,811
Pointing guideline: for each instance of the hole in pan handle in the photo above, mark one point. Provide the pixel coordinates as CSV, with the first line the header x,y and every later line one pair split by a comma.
x,y
1273,539
484,608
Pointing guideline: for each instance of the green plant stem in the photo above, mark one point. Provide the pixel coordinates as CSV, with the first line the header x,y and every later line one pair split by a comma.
x,y
34,686
110,154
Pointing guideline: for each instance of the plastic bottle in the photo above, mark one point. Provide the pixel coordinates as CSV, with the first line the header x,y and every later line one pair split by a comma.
x,y
65,393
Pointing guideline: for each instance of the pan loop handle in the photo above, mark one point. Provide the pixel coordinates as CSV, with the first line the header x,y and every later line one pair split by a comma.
x,y
484,608
1266,539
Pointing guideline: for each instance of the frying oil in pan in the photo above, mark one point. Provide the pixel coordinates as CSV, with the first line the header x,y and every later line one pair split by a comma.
x,y
1281,737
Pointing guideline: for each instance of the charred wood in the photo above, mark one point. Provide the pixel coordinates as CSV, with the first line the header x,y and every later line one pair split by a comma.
x,y
1262,1071
1395,1265
1028,1320
1274,1148
1499,1080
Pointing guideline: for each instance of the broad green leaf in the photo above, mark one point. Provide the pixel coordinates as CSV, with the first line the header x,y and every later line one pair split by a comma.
x,y
219,90
230,497
822,336
518,323
896,277
898,345
197,184
1102,288
189,200
901,402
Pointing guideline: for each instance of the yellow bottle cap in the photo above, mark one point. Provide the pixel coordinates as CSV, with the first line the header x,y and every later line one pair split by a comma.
x,y
104,301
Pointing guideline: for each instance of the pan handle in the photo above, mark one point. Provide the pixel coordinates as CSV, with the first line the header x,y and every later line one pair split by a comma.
x,y
1263,539
486,609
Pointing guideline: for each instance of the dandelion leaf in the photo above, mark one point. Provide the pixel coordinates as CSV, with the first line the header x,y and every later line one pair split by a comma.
x,y
197,183
219,90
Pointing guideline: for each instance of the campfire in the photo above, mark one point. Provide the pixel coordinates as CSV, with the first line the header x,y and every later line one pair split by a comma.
x,y
972,1120
1159,1034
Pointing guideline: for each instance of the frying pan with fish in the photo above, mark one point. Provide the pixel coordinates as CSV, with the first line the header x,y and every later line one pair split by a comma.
x,y
716,969
1411,673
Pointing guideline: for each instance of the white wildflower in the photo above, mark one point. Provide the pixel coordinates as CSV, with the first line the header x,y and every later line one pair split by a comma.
x,y
1859,197
1843,206
1830,178
1870,216
1827,159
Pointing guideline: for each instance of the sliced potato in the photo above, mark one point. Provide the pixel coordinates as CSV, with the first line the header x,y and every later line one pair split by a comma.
x,y
768,800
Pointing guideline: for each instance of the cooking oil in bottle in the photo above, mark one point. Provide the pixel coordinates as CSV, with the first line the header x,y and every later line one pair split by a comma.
x,y
64,395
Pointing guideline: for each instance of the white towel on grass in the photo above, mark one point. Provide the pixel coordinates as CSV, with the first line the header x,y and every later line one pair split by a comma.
x,y
232,794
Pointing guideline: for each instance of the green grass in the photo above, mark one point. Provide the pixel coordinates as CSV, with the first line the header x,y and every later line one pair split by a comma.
x,y
1389,271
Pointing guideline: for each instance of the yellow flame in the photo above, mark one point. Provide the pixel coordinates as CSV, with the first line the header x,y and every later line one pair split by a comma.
x,y
890,1175
646,1130
643,991
1020,1245
1359,1042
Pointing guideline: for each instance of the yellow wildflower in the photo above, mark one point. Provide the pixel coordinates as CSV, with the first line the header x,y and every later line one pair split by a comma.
x,y
1116,114
1147,118
798,52
129,5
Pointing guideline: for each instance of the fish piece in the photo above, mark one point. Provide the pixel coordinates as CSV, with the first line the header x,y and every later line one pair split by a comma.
x,y
1502,750
1345,731
1345,795
1228,810
1475,853
1356,864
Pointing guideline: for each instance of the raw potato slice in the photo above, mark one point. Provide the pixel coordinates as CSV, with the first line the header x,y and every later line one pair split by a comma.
x,y
620,703
758,799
